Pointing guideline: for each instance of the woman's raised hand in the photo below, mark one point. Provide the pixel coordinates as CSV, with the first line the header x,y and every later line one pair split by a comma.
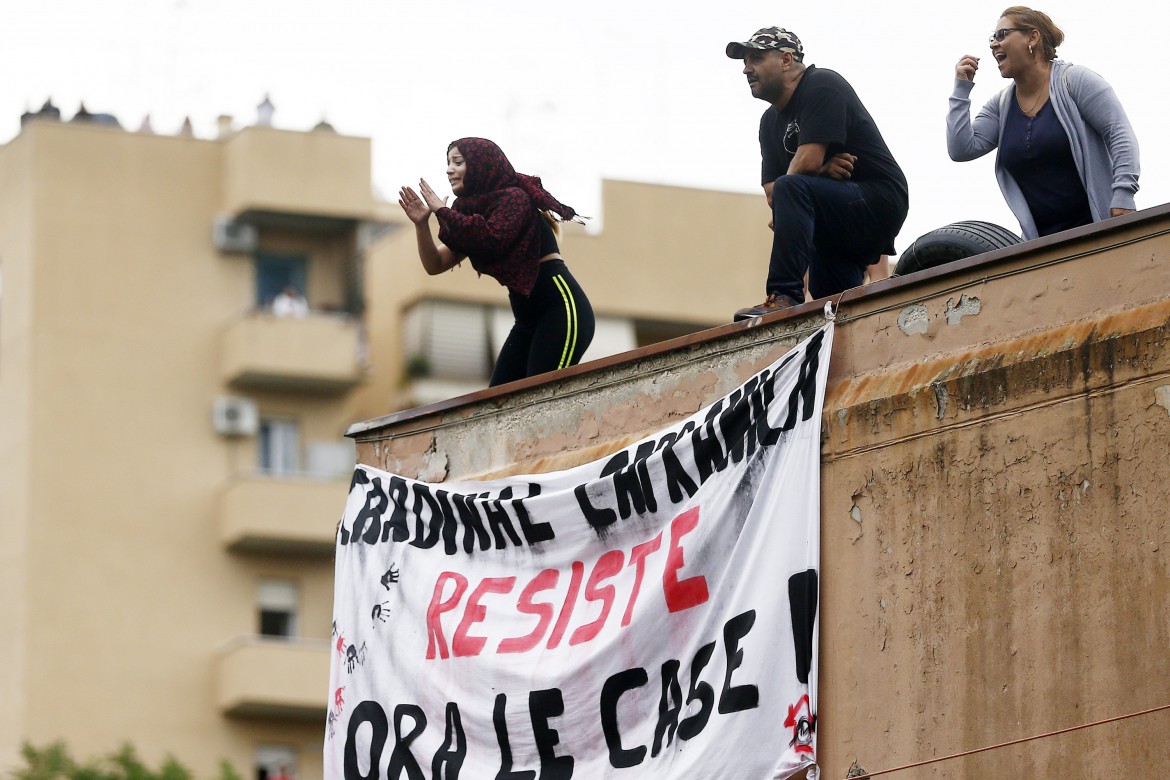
x,y
415,207
434,202
966,68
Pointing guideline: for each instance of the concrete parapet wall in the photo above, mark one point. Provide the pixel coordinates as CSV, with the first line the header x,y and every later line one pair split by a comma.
x,y
552,426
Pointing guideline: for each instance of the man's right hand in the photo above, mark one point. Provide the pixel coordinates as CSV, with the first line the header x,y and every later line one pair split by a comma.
x,y
966,68
839,166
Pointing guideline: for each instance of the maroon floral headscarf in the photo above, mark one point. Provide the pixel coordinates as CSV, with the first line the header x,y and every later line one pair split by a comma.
x,y
494,221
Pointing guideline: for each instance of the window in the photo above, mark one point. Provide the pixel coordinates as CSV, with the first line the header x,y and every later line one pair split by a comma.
x,y
460,341
275,272
612,335
330,458
278,446
276,762
277,608
448,340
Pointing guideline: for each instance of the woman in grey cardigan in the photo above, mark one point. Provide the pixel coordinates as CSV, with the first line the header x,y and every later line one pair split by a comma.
x,y
1067,153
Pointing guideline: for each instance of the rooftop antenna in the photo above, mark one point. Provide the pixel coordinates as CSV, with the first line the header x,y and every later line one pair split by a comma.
x,y
264,112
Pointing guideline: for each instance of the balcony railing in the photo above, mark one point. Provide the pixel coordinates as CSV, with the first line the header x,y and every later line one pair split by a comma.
x,y
273,678
282,515
319,353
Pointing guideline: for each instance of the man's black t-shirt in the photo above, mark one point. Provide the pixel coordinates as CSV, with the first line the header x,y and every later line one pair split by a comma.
x,y
825,109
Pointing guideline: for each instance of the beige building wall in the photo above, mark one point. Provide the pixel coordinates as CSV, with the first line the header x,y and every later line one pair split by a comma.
x,y
134,536
676,252
16,438
122,599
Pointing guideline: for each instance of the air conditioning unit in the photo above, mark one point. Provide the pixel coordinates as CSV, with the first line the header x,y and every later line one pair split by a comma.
x,y
234,416
231,235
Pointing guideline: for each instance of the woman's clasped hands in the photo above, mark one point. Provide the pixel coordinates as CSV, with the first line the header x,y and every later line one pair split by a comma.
x,y
417,208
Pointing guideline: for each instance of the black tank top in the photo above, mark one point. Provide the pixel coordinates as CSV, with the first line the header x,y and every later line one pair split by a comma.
x,y
548,239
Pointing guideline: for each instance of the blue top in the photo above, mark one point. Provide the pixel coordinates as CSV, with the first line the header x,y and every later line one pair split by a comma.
x,y
1036,152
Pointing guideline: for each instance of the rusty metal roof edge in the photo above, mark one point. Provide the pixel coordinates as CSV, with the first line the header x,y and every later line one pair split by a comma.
x,y
874,291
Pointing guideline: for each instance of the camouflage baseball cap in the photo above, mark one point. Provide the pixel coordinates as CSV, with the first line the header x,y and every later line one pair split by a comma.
x,y
768,38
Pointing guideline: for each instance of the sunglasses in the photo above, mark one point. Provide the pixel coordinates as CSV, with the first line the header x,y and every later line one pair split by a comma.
x,y
1002,33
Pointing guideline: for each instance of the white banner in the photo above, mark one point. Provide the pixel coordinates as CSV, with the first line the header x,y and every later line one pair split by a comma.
x,y
648,615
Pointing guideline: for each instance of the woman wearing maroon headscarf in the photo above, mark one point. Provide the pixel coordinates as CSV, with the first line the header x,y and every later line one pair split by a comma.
x,y
503,222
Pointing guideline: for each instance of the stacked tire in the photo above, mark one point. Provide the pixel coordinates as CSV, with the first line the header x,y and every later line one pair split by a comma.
x,y
954,242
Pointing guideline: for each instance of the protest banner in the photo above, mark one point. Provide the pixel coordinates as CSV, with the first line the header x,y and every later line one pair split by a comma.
x,y
649,615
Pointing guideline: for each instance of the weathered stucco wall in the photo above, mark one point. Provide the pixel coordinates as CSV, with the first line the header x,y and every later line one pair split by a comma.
x,y
994,496
995,558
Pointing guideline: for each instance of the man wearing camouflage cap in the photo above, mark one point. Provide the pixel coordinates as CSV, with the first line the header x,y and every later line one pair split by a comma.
x,y
837,196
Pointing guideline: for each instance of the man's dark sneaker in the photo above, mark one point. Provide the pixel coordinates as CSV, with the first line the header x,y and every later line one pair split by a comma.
x,y
775,302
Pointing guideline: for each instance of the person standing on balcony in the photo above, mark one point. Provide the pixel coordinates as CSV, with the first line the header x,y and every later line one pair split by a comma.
x,y
1067,153
837,196
290,303
504,222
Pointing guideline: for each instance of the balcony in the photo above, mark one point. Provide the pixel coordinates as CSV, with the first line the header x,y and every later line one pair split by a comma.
x,y
321,175
281,515
321,353
273,678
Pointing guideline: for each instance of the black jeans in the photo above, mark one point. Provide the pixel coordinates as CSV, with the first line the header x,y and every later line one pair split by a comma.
x,y
831,229
554,326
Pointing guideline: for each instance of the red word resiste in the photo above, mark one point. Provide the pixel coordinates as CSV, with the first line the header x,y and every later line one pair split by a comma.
x,y
680,594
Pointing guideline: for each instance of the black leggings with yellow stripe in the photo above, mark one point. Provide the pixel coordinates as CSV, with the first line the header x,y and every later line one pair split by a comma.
x,y
554,326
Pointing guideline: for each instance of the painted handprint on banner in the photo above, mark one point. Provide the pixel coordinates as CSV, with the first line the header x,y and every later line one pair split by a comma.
x,y
390,577
355,656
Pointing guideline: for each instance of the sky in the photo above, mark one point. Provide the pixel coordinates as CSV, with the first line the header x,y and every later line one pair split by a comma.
x,y
636,90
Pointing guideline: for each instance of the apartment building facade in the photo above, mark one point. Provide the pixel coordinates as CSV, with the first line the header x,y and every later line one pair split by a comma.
x,y
167,439
172,450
